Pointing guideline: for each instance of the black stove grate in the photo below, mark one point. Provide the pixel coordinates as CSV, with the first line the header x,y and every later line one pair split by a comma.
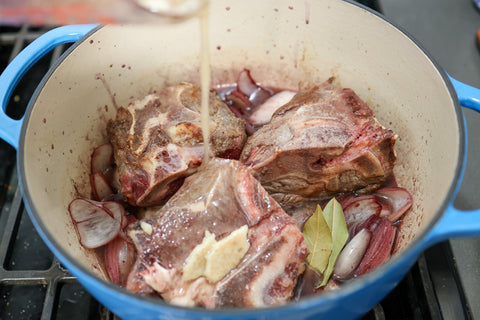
x,y
33,284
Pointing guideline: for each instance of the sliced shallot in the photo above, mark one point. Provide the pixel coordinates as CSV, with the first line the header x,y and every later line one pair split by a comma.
x,y
369,224
256,94
263,113
359,210
102,158
379,248
352,254
100,187
260,96
95,225
117,210
239,102
119,257
346,199
246,84
395,202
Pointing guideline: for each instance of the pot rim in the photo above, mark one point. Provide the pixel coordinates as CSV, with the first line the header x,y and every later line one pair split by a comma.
x,y
414,248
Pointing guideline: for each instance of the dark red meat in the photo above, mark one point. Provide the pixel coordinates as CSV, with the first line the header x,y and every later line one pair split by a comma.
x,y
219,198
323,142
158,141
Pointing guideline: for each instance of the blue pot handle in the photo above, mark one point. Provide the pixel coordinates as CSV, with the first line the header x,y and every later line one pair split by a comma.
x,y
455,222
10,128
468,96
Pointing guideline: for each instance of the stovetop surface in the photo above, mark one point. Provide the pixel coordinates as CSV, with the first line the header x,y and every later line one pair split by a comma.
x,y
447,29
443,284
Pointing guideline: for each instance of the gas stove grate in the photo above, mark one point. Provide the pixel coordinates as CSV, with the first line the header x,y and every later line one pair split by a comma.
x,y
34,285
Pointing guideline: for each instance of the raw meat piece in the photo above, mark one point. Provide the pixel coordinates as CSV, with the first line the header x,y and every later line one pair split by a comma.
x,y
323,142
220,198
158,141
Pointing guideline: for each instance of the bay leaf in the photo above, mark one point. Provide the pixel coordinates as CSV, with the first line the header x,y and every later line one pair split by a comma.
x,y
335,219
318,239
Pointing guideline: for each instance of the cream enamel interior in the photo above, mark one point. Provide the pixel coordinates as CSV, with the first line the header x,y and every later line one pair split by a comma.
x,y
288,44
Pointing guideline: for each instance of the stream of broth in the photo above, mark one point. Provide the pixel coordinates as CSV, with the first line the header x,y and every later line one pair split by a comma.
x,y
205,82
185,9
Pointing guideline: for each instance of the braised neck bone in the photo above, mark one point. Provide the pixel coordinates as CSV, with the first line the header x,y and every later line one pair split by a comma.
x,y
323,142
220,198
158,141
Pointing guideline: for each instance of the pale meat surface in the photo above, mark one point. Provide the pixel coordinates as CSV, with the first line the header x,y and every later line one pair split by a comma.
x,y
158,141
323,142
219,198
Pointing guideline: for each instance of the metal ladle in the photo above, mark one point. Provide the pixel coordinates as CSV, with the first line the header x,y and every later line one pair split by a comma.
x,y
173,8
63,12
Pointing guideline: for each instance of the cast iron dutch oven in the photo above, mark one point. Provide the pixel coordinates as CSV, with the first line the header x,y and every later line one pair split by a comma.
x,y
284,43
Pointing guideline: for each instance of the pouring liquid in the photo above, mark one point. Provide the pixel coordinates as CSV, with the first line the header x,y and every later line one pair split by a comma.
x,y
205,83
184,9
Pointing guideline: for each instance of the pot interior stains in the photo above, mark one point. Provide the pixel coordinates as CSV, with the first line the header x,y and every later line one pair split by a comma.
x,y
285,46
